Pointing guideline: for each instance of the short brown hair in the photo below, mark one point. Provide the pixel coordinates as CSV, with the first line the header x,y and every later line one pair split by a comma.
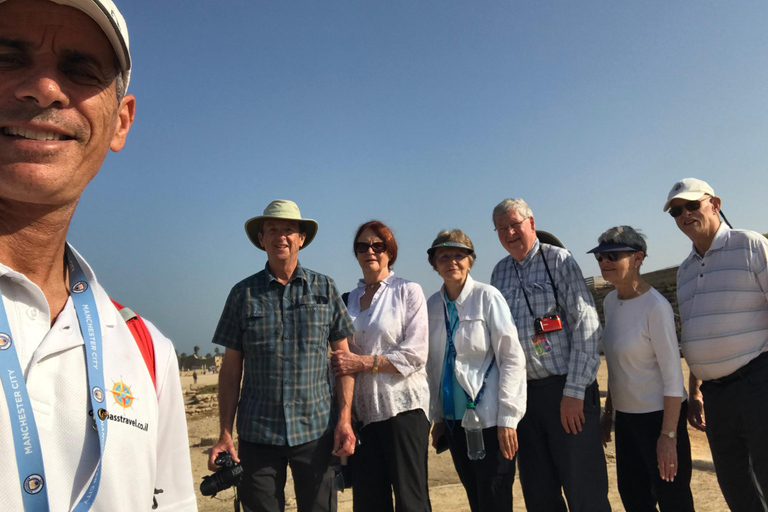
x,y
454,235
382,231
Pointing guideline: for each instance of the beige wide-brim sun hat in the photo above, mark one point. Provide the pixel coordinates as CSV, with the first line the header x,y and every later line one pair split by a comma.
x,y
285,210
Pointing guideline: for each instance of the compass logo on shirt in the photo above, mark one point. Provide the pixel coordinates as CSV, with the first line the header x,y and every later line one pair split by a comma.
x,y
79,287
5,341
33,484
122,393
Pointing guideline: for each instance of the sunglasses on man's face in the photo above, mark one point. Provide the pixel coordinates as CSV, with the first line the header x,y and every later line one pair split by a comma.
x,y
378,247
691,206
610,256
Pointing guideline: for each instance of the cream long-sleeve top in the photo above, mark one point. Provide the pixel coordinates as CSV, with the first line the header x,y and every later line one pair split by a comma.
x,y
395,326
486,330
641,350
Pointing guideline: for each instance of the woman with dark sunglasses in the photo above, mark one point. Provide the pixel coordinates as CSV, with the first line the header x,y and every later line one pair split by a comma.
x,y
476,374
645,382
388,355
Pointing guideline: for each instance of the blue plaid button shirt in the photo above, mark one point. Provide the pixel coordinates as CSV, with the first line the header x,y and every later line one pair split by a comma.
x,y
283,333
574,348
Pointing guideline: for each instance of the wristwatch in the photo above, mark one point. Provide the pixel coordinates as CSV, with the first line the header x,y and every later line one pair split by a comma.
x,y
669,433
375,368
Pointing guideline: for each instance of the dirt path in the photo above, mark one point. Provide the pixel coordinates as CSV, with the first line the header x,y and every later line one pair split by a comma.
x,y
446,492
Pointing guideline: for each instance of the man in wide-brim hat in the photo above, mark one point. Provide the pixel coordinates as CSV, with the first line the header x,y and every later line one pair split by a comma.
x,y
277,325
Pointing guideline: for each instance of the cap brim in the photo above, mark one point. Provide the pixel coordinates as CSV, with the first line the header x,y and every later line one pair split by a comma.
x,y
253,228
611,247
688,196
451,245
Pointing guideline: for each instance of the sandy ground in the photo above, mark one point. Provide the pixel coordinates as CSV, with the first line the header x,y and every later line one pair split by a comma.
x,y
446,492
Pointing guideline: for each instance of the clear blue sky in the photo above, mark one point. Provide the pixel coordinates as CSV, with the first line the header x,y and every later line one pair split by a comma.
x,y
423,114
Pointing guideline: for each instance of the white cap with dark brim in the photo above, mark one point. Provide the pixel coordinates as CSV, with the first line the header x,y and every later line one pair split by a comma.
x,y
689,189
112,23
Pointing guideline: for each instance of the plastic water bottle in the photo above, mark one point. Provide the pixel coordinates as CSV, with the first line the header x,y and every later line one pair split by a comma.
x,y
474,433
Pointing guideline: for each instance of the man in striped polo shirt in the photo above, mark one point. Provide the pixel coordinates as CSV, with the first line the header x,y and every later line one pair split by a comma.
x,y
722,290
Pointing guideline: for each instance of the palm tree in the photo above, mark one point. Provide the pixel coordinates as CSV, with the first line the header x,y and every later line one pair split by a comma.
x,y
196,349
217,351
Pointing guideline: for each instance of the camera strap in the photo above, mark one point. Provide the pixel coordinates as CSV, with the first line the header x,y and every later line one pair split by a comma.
x,y
29,457
551,280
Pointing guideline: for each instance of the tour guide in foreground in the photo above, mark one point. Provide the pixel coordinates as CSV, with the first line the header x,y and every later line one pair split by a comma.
x,y
277,324
73,436
722,292
559,329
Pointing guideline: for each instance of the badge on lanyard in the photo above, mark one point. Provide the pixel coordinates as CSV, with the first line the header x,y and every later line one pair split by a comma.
x,y
541,343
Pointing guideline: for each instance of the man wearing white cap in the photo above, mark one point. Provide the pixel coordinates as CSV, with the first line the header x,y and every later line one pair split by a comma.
x,y
276,326
82,424
722,290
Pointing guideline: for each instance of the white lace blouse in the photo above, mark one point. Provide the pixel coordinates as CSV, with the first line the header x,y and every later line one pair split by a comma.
x,y
395,326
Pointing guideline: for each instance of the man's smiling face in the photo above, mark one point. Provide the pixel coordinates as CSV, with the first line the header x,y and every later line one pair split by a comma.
x,y
698,224
59,113
516,233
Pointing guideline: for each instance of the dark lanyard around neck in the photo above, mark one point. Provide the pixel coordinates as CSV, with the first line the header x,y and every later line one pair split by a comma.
x,y
552,281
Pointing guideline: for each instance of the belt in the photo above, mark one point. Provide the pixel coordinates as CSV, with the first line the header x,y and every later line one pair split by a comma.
x,y
757,363
547,381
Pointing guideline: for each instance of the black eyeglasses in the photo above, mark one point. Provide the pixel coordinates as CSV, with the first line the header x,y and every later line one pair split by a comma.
x,y
691,206
610,256
362,247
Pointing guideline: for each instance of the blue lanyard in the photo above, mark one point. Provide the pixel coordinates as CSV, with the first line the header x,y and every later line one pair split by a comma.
x,y
448,382
29,457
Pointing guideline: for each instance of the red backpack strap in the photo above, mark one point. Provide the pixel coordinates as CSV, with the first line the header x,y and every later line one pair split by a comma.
x,y
141,334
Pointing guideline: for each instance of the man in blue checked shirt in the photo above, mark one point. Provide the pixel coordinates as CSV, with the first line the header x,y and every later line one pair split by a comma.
x,y
559,329
276,327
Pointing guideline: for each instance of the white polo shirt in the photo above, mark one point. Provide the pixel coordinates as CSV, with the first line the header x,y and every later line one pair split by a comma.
x,y
723,301
147,446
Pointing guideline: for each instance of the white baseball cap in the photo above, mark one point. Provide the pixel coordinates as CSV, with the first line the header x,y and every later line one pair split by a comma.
x,y
689,189
111,22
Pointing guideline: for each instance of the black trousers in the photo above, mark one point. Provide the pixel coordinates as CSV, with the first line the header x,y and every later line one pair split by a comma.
x,y
488,481
265,473
637,468
392,457
550,459
736,412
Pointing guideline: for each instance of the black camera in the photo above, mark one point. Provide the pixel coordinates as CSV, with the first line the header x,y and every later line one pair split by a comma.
x,y
230,474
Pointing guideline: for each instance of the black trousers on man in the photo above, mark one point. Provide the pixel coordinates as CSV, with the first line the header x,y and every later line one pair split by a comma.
x,y
488,481
392,457
550,459
265,473
637,467
736,412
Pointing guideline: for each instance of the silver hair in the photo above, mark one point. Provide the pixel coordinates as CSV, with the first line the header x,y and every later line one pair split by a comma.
x,y
520,206
626,235
120,87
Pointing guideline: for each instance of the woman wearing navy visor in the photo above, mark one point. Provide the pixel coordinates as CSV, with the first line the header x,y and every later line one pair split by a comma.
x,y
645,382
476,369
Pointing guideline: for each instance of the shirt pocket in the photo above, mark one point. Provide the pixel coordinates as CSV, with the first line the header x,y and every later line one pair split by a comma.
x,y
472,338
313,315
259,330
543,299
